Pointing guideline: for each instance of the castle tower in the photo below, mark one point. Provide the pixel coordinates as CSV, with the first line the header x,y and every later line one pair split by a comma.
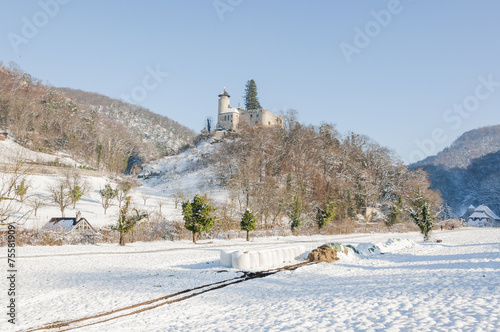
x,y
223,101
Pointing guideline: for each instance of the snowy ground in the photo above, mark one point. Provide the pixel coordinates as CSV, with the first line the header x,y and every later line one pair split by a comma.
x,y
448,286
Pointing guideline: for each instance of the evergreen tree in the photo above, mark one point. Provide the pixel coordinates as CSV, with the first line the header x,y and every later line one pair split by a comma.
x,y
127,222
421,213
248,223
324,216
251,100
394,212
197,216
295,212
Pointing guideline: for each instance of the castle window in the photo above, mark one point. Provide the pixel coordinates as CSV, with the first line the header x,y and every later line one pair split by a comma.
x,y
269,123
251,116
257,115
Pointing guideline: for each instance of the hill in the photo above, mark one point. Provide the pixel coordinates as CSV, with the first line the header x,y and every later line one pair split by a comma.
x,y
100,132
468,172
471,145
167,135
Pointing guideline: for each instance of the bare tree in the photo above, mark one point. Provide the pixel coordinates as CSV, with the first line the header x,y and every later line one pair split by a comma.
x,y
124,187
61,195
145,198
77,186
160,204
36,202
11,209
178,196
107,196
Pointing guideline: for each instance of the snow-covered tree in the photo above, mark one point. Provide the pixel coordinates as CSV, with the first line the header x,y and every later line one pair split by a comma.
x,y
423,214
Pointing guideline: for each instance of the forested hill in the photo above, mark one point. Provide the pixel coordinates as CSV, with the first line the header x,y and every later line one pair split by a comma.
x,y
468,172
471,145
167,135
101,132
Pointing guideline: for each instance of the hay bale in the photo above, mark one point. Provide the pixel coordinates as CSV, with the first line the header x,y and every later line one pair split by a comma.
x,y
323,254
337,247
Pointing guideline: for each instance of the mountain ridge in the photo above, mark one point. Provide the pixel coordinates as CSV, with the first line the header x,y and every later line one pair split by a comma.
x,y
469,146
468,171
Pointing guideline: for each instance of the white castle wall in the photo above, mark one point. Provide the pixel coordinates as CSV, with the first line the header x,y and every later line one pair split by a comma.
x,y
230,118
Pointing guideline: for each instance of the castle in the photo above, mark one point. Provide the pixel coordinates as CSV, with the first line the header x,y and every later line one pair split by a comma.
x,y
230,118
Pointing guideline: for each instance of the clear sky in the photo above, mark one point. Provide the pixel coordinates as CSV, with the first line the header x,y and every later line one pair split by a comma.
x,y
413,75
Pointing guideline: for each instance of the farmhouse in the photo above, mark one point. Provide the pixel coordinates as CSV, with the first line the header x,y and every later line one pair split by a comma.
x,y
230,118
482,216
77,224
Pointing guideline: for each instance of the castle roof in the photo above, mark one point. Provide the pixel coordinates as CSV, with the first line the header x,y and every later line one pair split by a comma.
x,y
224,93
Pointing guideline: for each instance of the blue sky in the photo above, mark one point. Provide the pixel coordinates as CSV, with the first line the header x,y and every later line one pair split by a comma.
x,y
413,75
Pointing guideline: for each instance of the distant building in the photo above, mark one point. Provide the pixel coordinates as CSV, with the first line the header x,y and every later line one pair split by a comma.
x,y
482,216
230,118
3,136
77,224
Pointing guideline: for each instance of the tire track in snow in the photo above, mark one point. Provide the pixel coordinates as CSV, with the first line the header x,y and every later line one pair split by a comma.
x,y
164,300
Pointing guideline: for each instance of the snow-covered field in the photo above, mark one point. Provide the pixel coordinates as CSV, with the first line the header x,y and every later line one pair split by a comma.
x,y
414,286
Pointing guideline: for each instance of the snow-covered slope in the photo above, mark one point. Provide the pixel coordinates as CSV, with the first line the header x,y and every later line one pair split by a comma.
x,y
189,172
11,152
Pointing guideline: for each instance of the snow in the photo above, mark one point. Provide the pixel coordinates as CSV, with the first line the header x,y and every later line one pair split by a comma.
x,y
414,286
10,151
395,283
